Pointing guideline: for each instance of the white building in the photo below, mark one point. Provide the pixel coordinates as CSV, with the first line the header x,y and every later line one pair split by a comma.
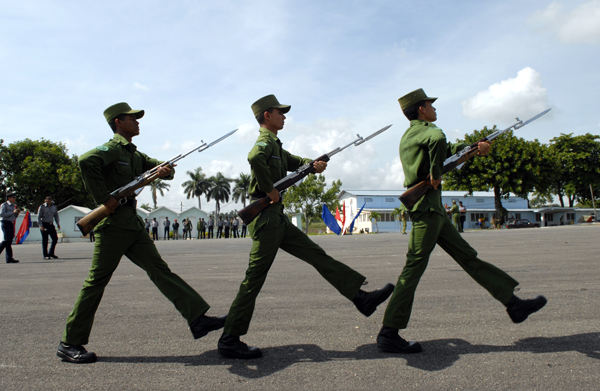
x,y
479,205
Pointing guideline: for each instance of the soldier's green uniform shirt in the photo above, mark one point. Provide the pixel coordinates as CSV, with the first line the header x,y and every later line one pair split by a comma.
x,y
272,230
105,169
423,149
111,166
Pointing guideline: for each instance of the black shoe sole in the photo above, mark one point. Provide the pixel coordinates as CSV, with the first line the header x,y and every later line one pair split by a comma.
x,y
244,356
67,358
413,347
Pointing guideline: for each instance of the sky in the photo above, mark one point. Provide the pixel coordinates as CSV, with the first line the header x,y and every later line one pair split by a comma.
x,y
196,67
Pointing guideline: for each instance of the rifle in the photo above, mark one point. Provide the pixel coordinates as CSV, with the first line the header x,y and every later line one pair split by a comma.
x,y
89,221
414,193
249,213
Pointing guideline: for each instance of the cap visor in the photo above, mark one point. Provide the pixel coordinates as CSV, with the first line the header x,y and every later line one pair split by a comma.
x,y
283,108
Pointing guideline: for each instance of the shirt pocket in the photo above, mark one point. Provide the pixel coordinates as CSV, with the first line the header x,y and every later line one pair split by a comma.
x,y
275,167
124,170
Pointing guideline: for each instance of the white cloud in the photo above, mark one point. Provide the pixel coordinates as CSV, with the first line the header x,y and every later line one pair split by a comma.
x,y
188,145
141,87
167,145
225,167
579,25
522,96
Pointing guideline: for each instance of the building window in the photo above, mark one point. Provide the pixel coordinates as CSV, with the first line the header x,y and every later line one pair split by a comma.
x,y
570,216
549,216
479,200
538,217
368,199
512,200
389,200
518,216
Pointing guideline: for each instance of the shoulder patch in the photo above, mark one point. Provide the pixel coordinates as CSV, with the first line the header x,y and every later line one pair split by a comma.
x,y
102,148
261,144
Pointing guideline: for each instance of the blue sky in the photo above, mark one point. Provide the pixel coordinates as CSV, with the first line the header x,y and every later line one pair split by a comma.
x,y
196,67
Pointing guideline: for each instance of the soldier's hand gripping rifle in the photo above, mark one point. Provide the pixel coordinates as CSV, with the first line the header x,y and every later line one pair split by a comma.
x,y
249,213
410,197
89,221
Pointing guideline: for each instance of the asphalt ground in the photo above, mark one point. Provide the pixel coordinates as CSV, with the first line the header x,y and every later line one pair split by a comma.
x,y
313,338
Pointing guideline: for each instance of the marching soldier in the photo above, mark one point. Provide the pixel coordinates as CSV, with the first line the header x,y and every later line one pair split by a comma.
x,y
423,149
272,230
105,169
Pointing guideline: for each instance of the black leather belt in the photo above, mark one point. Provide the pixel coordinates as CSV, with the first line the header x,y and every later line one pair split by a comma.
x,y
131,202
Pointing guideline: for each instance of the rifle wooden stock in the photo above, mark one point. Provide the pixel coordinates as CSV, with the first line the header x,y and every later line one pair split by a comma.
x,y
89,221
410,197
249,213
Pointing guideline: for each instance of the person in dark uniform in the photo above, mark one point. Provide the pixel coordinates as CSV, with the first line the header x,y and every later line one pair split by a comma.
x,y
211,228
105,169
220,225
8,214
463,215
167,225
272,230
47,215
456,216
423,149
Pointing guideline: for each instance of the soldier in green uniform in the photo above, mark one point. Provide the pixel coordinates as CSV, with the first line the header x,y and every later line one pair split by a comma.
x,y
105,169
456,216
272,230
403,217
423,149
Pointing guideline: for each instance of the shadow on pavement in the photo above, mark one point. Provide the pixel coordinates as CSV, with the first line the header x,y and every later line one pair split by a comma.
x,y
437,354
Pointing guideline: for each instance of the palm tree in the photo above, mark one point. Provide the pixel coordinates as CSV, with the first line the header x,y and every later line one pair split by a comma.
x,y
158,186
396,214
376,216
219,190
197,185
240,190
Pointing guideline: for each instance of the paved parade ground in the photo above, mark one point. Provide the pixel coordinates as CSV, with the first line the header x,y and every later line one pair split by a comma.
x,y
312,337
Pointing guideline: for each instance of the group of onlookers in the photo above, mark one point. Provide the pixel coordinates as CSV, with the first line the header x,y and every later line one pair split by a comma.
x,y
225,228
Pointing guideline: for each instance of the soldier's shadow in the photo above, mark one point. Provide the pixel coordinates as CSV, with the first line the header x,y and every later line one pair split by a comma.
x,y
437,354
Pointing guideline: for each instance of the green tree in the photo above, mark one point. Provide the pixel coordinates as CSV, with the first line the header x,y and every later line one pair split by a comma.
x,y
219,190
197,185
156,187
377,217
240,188
514,165
146,207
577,164
310,195
34,169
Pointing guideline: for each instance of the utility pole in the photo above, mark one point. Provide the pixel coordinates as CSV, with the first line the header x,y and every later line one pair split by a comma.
x,y
593,204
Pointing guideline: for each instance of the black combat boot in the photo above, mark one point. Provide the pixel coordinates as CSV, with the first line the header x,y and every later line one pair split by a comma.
x,y
389,341
367,302
519,309
75,353
205,324
230,346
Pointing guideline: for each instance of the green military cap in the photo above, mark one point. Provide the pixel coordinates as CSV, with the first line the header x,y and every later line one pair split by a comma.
x,y
267,102
121,108
414,97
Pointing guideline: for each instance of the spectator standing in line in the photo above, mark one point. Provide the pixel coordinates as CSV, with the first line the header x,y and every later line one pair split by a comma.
x,y
47,215
226,225
463,215
219,228
211,228
190,227
8,213
235,223
202,230
184,228
154,229
243,229
175,230
147,226
167,225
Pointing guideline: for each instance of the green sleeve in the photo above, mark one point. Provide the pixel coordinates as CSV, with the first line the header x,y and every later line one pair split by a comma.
x,y
295,162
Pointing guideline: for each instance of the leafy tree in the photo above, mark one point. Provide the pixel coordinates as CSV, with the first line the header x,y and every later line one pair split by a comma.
x,y
219,190
377,217
35,169
577,163
309,196
146,207
514,165
240,188
158,186
197,185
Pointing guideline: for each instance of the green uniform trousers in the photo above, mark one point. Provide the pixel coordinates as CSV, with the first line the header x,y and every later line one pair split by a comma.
x,y
456,220
270,231
428,229
111,244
